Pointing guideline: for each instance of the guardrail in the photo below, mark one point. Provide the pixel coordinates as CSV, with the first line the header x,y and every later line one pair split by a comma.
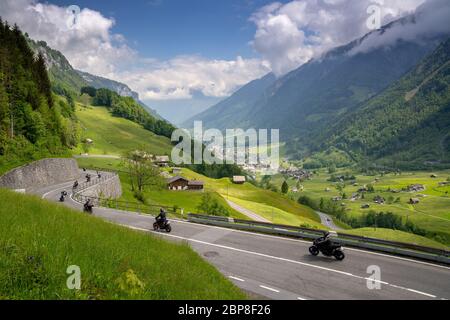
x,y
397,248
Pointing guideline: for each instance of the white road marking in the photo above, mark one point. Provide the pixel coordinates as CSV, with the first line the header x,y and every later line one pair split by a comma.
x,y
422,293
270,289
236,278
276,258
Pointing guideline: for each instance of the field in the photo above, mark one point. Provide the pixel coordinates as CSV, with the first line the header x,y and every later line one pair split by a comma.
x,y
114,136
40,240
432,213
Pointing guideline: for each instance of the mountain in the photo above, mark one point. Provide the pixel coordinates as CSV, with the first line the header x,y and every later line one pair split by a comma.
x,y
66,79
120,88
61,73
230,110
407,125
306,101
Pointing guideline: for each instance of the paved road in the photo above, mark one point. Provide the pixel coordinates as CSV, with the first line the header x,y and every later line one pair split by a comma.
x,y
280,268
252,215
327,221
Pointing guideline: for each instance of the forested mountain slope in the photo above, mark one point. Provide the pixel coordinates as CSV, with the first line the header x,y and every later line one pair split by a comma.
x,y
407,125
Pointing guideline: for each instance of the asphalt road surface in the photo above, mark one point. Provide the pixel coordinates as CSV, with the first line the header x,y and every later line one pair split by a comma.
x,y
280,268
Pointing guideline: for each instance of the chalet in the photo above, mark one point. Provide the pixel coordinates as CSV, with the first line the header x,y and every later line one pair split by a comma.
x,y
416,188
355,197
365,206
89,141
336,199
196,185
414,201
239,179
363,189
434,176
162,161
178,183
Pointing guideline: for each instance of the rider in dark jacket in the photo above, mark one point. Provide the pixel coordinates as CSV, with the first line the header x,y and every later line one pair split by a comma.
x,y
162,217
325,241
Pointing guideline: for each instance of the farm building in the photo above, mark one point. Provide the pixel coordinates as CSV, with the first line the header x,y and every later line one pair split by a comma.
x,y
239,179
379,200
416,187
176,170
162,161
196,185
414,201
180,183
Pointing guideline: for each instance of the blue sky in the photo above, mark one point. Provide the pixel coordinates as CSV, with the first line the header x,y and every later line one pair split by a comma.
x,y
162,29
183,56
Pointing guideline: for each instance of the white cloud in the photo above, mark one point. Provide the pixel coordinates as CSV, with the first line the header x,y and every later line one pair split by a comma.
x,y
91,46
290,34
430,19
181,77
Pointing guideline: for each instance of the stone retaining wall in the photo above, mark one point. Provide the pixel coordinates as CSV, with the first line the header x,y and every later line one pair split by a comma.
x,y
41,173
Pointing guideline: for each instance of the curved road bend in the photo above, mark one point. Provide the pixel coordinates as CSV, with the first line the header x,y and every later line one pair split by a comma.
x,y
280,268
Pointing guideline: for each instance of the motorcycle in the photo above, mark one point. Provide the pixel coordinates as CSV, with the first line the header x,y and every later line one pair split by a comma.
x,y
63,196
162,225
88,208
327,248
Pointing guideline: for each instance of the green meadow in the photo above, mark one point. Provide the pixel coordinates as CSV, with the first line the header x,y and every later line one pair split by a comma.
x,y
114,136
432,213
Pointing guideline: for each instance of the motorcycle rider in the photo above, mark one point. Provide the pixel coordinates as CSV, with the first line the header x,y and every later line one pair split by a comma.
x,y
88,206
162,217
325,241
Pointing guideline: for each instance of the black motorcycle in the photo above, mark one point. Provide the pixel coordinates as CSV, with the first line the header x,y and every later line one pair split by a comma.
x,y
88,207
162,225
63,196
327,248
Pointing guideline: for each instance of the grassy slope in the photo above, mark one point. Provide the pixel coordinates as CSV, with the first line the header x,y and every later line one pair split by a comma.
x,y
433,212
39,240
249,192
395,235
114,136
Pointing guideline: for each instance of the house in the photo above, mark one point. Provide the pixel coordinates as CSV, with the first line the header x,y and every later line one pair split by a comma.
x,y
88,141
178,183
196,185
379,200
239,179
414,201
365,206
335,199
176,170
433,176
416,187
162,161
